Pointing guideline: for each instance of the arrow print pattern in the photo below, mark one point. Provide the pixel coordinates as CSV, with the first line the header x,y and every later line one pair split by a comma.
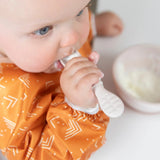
x,y
10,124
47,144
12,101
73,129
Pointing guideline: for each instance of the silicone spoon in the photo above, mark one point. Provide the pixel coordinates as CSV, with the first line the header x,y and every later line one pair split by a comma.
x,y
111,105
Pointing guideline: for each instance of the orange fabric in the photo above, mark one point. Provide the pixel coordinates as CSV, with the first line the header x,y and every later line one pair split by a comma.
x,y
86,48
36,123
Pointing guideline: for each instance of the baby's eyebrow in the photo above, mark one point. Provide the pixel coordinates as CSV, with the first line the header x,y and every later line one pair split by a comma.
x,y
90,3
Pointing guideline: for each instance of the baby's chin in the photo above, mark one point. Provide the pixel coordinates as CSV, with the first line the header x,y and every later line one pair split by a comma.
x,y
55,67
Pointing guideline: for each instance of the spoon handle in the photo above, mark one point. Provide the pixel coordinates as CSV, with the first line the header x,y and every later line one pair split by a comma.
x,y
111,104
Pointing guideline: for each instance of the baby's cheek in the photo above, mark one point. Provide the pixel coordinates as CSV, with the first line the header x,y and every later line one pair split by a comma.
x,y
84,34
31,63
84,26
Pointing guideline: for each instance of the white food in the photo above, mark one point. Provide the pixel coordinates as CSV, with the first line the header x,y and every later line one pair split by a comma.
x,y
141,83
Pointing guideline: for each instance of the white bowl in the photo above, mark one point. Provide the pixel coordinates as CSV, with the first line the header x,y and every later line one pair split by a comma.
x,y
136,74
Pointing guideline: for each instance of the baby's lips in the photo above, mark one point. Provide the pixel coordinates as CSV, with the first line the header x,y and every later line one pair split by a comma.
x,y
58,65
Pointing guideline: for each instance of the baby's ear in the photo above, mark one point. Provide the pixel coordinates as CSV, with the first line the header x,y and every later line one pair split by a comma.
x,y
94,57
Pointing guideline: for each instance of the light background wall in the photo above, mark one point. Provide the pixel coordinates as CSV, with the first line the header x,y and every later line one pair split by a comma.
x,y
141,17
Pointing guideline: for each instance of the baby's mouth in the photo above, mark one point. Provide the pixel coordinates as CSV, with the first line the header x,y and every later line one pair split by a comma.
x,y
59,64
55,67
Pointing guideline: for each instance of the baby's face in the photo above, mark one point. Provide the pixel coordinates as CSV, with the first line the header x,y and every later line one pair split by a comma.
x,y
36,33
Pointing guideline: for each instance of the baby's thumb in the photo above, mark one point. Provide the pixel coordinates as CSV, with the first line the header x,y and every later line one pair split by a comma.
x,y
94,57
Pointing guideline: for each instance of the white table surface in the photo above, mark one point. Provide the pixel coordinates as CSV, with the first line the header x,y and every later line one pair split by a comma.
x,y
133,136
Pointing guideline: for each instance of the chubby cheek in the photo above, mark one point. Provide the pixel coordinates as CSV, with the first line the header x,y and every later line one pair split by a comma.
x,y
84,33
34,61
29,55
32,58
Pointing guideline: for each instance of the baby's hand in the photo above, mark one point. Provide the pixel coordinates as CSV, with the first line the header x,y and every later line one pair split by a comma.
x,y
77,79
108,24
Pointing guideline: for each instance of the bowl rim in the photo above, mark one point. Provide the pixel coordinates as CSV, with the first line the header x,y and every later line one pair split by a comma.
x,y
118,85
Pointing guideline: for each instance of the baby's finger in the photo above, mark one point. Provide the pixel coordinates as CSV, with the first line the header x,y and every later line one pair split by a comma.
x,y
75,60
77,64
82,73
88,81
94,57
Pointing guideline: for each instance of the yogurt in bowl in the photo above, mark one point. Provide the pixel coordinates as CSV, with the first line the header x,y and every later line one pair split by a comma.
x,y
136,74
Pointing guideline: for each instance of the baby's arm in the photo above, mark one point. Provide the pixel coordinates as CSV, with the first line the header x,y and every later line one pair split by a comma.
x,y
108,24
36,123
78,79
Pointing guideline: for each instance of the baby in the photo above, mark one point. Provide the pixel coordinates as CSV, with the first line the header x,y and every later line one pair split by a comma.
x,y
36,121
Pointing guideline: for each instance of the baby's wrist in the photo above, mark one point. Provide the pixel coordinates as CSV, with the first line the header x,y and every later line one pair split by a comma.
x,y
91,110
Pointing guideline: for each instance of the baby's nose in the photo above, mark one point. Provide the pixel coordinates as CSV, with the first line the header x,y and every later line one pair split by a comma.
x,y
70,39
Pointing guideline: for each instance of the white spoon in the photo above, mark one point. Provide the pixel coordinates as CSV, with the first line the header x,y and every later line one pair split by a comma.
x,y
111,105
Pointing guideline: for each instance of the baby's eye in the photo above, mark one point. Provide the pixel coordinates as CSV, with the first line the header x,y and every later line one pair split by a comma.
x,y
80,13
43,31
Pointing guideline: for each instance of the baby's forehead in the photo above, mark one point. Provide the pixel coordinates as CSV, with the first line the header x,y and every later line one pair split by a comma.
x,y
30,15
41,8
